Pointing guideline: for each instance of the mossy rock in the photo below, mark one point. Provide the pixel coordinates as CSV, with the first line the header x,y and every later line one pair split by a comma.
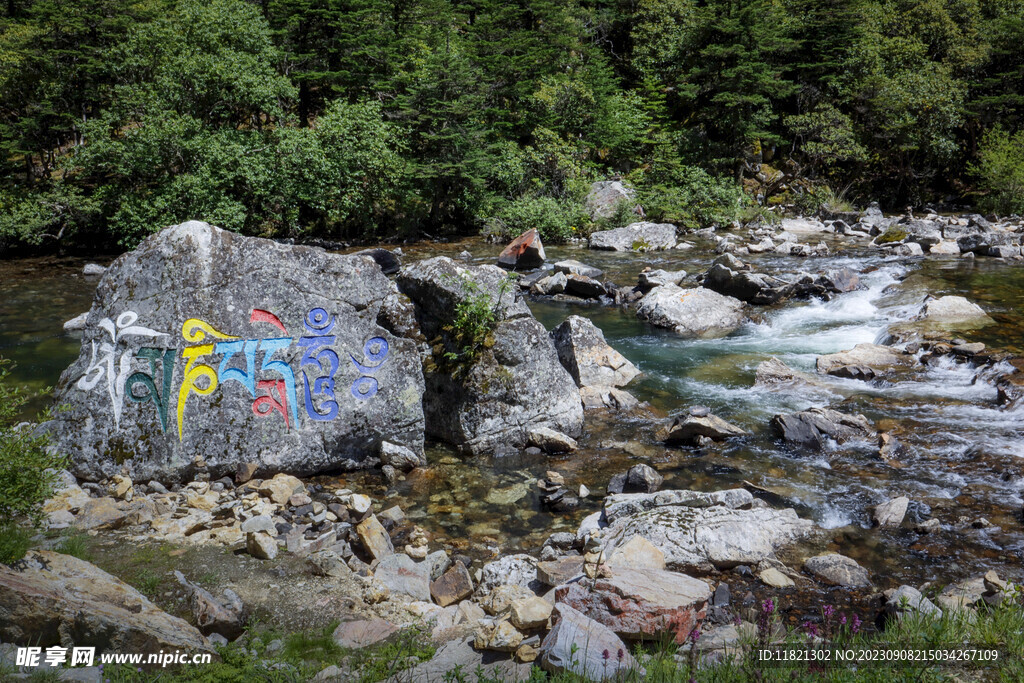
x,y
891,235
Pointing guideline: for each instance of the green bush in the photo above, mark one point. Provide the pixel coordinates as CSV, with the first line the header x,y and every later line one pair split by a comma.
x,y
1000,171
555,220
29,472
688,196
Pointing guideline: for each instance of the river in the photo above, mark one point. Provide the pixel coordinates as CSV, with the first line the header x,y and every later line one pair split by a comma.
x,y
965,452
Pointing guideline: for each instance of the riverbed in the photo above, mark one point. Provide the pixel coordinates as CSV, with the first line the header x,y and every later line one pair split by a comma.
x,y
965,453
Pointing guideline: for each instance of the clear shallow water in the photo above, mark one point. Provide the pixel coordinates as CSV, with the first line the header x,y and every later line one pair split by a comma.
x,y
966,455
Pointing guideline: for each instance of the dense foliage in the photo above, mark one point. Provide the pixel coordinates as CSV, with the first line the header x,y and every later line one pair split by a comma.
x,y
28,471
352,118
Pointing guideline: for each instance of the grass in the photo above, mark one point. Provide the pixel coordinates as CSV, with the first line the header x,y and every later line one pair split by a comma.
x,y
15,541
75,543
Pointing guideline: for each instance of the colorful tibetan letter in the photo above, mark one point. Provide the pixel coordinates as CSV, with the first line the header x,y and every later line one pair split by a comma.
x,y
374,351
194,330
318,355
159,399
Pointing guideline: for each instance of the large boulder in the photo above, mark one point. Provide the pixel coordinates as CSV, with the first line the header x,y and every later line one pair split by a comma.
x,y
864,361
690,429
579,645
604,197
206,348
584,352
754,288
525,252
635,237
696,312
953,309
487,398
810,428
641,604
51,599
701,532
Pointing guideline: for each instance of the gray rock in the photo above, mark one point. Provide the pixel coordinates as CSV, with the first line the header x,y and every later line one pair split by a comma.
x,y
361,633
584,287
550,441
511,570
907,599
981,242
261,545
571,267
864,361
551,284
488,404
403,575
576,644
93,269
837,570
389,262
400,457
688,428
640,478
635,237
604,196
891,512
952,309
475,666
810,428
620,506
583,351
259,523
753,288
226,617
696,312
76,324
200,296
704,538
773,372
649,279
607,397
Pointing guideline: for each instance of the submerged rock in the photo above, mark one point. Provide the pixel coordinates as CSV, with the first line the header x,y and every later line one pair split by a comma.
x,y
810,427
488,401
203,346
635,237
583,351
696,312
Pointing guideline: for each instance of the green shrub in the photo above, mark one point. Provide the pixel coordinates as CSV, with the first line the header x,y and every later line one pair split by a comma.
x,y
14,543
689,196
1000,171
555,220
476,316
28,471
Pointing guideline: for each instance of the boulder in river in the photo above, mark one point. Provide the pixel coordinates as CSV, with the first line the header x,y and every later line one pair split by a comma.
x,y
571,267
488,398
635,237
688,428
525,252
810,428
649,279
584,352
953,309
695,312
703,531
753,288
864,361
205,348
51,599
837,570
774,373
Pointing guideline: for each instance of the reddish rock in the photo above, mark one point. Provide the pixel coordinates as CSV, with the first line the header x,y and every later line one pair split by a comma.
x,y
523,253
642,603
452,586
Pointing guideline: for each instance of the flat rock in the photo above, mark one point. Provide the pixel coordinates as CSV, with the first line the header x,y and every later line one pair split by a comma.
x,y
550,440
375,538
685,429
452,586
50,599
642,603
637,553
864,361
694,312
837,570
775,578
571,267
952,309
557,572
576,645
583,351
642,236
403,575
241,313
810,428
100,513
363,632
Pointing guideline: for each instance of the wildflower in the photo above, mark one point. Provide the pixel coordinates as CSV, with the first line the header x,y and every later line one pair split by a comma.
x,y
768,606
842,619
736,620
694,635
855,624
605,655
622,654
811,629
828,611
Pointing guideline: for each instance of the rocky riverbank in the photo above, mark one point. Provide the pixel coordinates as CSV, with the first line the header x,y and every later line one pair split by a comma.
x,y
228,456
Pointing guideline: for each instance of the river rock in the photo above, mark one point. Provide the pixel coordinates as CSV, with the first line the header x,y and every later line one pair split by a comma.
x,y
375,538
700,532
952,309
695,312
194,349
562,570
864,361
637,553
640,478
510,570
773,372
571,267
261,545
576,644
837,570
753,288
583,351
775,578
515,382
906,600
802,226
687,428
642,603
523,253
945,248
649,279
810,428
550,441
983,242
530,612
51,599
891,512
635,237
226,617
607,397
584,287
401,574
400,457
452,586
604,197
551,284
